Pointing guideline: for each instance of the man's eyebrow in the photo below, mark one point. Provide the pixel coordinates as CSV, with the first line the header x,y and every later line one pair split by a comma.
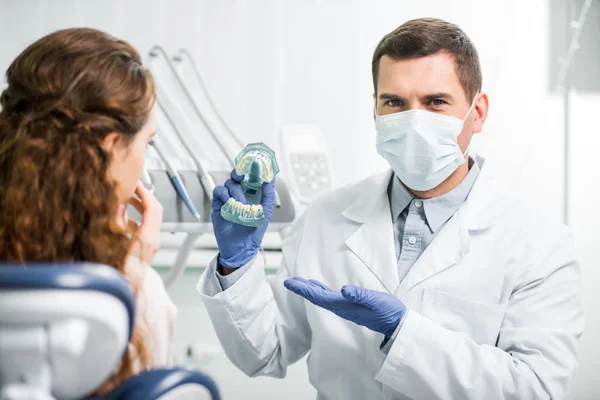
x,y
439,95
388,96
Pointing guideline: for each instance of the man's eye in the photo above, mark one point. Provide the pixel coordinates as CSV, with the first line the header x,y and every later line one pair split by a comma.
x,y
393,103
437,102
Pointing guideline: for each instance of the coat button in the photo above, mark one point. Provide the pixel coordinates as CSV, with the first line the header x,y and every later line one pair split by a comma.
x,y
412,240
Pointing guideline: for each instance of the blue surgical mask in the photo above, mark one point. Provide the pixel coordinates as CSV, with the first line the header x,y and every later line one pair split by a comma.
x,y
421,146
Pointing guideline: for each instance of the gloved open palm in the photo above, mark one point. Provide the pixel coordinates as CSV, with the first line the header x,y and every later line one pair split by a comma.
x,y
381,312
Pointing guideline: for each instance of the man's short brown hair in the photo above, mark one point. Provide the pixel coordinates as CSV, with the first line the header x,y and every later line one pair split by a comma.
x,y
427,36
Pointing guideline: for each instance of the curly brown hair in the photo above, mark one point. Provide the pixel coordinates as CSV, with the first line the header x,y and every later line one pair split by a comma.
x,y
65,93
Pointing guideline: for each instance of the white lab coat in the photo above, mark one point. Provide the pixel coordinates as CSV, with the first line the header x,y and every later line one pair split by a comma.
x,y
495,307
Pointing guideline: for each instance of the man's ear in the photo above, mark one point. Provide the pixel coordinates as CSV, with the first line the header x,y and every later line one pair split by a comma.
x,y
481,112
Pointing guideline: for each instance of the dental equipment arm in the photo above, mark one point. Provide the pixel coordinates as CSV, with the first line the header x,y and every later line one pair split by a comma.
x,y
205,178
213,124
176,180
208,184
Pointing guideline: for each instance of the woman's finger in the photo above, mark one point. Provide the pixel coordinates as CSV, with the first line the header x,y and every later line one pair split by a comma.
x,y
148,232
120,216
132,225
137,204
143,193
135,248
152,209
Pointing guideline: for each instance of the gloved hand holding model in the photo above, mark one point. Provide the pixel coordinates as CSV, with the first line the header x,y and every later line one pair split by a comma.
x,y
238,244
380,312
242,209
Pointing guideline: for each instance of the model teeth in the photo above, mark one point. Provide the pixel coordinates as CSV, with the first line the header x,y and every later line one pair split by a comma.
x,y
245,210
263,158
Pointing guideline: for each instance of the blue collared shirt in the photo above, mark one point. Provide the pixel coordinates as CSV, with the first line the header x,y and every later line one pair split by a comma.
x,y
417,221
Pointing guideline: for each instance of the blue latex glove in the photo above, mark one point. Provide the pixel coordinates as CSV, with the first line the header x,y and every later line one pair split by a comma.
x,y
380,312
238,244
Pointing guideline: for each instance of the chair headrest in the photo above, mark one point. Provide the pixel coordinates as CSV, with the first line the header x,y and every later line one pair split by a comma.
x,y
69,276
151,385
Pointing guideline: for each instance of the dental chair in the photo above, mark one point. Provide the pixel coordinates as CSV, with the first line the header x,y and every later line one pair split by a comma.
x,y
63,330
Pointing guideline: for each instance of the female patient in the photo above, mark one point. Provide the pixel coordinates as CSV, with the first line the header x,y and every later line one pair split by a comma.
x,y
76,118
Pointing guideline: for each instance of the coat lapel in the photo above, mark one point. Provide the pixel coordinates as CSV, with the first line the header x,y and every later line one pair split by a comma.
x,y
446,250
372,241
484,206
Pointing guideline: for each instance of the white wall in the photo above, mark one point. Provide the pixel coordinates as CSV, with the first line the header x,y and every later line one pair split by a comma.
x,y
268,63
584,218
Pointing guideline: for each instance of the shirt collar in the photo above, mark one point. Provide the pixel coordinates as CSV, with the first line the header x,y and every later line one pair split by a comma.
x,y
437,210
399,196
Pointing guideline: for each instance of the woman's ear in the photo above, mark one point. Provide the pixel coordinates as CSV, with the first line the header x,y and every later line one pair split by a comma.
x,y
112,143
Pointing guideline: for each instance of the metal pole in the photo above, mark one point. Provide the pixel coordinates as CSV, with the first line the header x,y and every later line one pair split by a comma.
x,y
567,119
567,84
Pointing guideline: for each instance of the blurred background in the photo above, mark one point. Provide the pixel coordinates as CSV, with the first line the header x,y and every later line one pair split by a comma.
x,y
269,64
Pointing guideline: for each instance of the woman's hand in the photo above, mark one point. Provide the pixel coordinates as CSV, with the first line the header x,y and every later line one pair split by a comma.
x,y
146,238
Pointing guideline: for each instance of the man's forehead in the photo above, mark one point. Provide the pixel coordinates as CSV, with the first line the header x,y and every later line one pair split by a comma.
x,y
441,61
434,73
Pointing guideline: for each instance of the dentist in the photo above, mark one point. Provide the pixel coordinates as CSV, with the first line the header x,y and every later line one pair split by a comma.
x,y
428,281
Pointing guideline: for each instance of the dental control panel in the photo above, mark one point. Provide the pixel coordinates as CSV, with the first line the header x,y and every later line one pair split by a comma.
x,y
307,162
258,165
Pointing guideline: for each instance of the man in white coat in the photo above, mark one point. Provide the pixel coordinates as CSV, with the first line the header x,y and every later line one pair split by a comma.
x,y
427,281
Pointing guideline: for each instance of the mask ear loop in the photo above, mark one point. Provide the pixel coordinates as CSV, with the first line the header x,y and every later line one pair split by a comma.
x,y
472,107
467,116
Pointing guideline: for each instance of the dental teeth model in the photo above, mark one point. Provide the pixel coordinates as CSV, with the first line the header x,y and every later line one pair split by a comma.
x,y
257,163
243,214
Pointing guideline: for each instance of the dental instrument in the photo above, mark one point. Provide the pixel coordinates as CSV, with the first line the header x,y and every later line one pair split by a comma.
x,y
176,180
